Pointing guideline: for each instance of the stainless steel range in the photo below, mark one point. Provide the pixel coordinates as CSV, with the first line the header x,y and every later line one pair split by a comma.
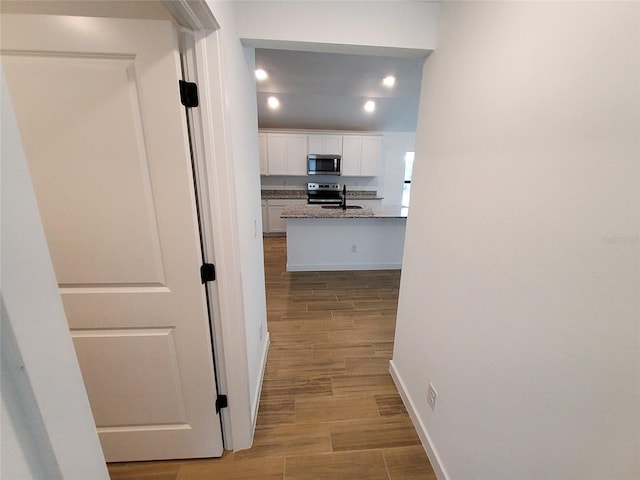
x,y
324,193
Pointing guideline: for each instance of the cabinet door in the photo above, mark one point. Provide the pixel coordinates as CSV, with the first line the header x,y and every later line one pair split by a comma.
x,y
262,154
351,155
315,144
370,156
274,210
265,217
297,154
330,144
333,144
276,224
277,154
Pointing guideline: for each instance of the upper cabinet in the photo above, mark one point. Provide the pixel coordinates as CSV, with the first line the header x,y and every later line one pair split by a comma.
x,y
361,155
286,154
331,144
370,161
262,153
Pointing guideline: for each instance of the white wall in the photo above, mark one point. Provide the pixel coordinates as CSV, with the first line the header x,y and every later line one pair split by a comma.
x,y
340,26
315,244
519,295
47,427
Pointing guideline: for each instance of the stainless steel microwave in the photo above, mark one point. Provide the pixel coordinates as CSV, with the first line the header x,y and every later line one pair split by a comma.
x,y
318,164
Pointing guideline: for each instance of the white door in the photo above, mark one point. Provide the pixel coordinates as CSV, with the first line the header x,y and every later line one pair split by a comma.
x,y
105,136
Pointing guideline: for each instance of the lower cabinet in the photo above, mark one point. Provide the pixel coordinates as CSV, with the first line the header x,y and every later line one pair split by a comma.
x,y
274,210
265,217
276,224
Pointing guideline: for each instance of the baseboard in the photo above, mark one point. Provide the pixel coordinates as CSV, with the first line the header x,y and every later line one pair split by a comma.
x,y
256,403
327,267
427,444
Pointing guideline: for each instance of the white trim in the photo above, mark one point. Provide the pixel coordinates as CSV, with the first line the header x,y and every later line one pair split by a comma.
x,y
256,398
191,14
202,165
342,266
427,444
218,181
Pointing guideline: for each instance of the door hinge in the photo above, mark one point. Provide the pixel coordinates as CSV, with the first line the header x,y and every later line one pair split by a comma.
x,y
207,272
221,402
188,94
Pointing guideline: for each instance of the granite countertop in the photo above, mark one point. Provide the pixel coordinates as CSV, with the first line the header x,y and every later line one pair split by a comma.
x,y
302,194
316,211
283,194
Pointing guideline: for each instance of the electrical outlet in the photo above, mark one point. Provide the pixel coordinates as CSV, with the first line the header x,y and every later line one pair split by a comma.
x,y
260,332
354,249
432,396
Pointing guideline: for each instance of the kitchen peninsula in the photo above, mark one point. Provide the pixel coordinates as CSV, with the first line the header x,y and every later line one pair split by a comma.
x,y
330,238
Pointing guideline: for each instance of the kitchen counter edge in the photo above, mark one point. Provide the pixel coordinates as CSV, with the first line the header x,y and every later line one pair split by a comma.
x,y
302,195
316,211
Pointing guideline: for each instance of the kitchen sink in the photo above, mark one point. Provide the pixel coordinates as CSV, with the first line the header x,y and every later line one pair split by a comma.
x,y
339,207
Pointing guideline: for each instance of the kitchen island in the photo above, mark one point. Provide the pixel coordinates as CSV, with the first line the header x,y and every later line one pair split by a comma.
x,y
365,238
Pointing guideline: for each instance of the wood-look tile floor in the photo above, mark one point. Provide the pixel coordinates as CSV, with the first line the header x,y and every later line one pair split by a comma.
x,y
329,409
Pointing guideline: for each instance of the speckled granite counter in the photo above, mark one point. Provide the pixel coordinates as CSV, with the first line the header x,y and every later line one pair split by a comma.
x,y
317,211
302,194
283,194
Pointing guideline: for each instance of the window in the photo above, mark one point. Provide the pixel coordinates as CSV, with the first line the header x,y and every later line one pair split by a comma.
x,y
408,172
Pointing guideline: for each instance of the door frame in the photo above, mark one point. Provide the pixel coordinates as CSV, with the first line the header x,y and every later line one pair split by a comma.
x,y
201,168
216,180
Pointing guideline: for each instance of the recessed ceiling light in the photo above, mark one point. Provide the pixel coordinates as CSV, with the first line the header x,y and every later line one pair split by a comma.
x,y
370,106
273,102
389,81
261,74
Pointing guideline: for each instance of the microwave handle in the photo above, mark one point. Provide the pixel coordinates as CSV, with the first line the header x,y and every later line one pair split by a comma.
x,y
335,164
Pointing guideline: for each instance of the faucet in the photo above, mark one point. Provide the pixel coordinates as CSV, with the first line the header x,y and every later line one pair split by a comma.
x,y
344,197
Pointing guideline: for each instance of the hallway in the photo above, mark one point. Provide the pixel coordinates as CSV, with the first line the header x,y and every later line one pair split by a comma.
x,y
329,409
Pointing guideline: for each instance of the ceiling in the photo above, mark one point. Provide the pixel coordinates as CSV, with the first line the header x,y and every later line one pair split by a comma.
x,y
327,91
317,90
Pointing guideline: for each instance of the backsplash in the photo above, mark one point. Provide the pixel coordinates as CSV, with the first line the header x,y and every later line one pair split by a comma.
x,y
280,193
274,182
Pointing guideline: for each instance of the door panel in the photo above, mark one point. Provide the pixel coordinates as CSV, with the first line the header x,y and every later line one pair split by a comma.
x,y
105,355
105,136
111,236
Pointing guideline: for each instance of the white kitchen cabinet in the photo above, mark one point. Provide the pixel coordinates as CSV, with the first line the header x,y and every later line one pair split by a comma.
x,y
361,155
286,154
262,154
370,156
275,208
277,154
351,155
330,144
297,154
265,216
315,144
